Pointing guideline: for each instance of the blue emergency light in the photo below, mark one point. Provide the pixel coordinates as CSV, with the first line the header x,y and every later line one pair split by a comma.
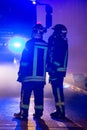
x,y
16,44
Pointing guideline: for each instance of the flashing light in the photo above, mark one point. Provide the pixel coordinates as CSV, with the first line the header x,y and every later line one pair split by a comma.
x,y
16,44
33,1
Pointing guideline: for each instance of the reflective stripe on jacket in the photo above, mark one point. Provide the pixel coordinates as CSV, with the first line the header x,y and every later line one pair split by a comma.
x,y
33,61
57,56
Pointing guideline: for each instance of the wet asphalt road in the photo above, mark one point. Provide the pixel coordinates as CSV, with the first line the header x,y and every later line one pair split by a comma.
x,y
75,105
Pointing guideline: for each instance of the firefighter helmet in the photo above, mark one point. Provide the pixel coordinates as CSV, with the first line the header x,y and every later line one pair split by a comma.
x,y
39,28
60,28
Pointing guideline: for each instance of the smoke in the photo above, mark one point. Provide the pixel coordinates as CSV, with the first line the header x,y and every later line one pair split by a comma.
x,y
8,84
9,87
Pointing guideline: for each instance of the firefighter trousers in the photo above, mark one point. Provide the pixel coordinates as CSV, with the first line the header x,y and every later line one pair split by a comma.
x,y
57,89
26,91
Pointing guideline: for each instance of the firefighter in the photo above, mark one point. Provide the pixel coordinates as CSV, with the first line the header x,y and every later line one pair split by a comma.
x,y
31,73
57,57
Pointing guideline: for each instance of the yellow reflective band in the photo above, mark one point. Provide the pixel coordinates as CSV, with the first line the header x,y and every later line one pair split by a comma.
x,y
41,44
53,79
61,69
39,107
58,93
59,97
34,78
59,103
21,101
66,56
24,106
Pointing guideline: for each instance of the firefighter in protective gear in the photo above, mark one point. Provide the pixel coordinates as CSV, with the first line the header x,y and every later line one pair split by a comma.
x,y
57,57
32,73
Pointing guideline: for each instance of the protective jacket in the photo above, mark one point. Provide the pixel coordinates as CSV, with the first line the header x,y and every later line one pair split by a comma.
x,y
33,60
57,56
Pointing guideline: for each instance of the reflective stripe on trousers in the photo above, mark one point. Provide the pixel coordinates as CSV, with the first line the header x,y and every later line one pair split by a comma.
x,y
57,87
26,91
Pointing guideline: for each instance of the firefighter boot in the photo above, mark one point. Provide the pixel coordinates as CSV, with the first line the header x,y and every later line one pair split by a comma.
x,y
38,114
21,115
58,114
17,115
